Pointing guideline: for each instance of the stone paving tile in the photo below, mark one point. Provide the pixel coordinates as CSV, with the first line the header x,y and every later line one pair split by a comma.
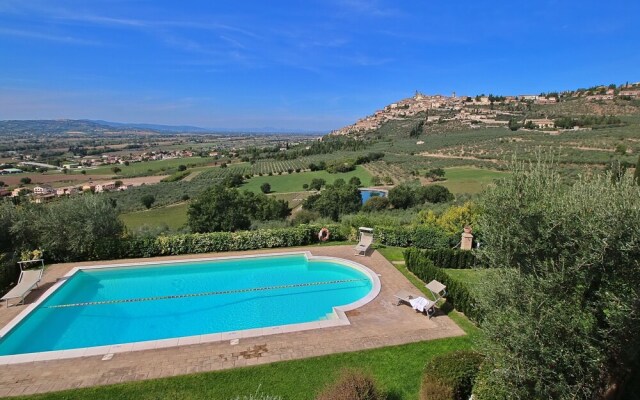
x,y
377,324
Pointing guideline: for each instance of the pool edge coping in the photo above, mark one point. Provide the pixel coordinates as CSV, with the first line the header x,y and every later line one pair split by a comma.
x,y
340,312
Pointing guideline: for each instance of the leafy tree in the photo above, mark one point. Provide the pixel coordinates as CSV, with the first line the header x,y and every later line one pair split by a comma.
x,y
355,181
86,228
265,187
305,186
148,200
182,167
26,180
636,174
126,163
561,319
402,196
116,170
83,172
376,181
434,194
376,203
317,183
217,209
334,201
233,180
221,208
435,174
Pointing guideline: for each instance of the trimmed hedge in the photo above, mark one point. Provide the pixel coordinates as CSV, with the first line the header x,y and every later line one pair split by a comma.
x,y
458,293
451,376
453,258
423,237
195,243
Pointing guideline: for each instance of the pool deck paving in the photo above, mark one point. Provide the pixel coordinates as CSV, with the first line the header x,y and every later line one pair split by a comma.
x,y
379,323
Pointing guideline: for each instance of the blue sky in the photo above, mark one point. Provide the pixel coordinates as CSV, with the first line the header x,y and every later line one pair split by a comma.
x,y
309,65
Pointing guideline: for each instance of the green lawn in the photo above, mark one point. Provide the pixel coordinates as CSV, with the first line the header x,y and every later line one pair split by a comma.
x,y
469,180
397,369
149,167
472,277
392,253
286,183
175,216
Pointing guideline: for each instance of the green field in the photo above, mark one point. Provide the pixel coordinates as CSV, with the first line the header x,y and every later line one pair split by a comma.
x,y
469,180
148,167
286,183
472,277
175,216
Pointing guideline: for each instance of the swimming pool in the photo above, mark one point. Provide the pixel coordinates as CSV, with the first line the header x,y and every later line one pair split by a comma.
x,y
366,194
107,307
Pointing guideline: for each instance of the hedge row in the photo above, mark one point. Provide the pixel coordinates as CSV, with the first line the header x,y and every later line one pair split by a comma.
x,y
453,258
195,243
451,376
458,293
423,237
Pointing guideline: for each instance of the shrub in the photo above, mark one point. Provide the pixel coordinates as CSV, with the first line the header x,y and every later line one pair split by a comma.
x,y
429,237
450,376
352,385
195,243
434,389
434,194
402,196
458,293
376,203
148,200
453,258
265,187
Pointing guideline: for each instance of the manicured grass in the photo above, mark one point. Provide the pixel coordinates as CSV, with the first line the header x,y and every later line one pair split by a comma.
x,y
397,369
472,277
392,253
286,183
148,167
469,180
175,216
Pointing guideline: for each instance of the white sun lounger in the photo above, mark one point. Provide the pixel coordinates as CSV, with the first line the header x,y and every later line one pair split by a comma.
x,y
28,280
418,303
366,239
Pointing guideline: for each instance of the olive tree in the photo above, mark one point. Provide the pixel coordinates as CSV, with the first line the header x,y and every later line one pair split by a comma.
x,y
561,319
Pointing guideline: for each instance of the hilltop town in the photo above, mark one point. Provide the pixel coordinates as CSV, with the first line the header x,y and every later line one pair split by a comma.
x,y
491,111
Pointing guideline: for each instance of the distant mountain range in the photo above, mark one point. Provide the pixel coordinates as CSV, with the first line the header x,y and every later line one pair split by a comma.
x,y
99,127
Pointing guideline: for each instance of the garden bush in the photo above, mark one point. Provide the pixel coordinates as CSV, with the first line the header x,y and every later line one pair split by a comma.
x,y
453,258
458,293
424,237
195,243
450,376
352,385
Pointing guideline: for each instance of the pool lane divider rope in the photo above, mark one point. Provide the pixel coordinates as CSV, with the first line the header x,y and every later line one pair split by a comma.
x,y
217,293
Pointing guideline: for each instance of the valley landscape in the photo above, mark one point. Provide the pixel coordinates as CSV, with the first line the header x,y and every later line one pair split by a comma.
x,y
290,219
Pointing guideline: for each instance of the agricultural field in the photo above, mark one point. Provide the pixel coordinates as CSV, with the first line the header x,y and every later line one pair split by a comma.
x,y
174,216
293,183
149,167
469,180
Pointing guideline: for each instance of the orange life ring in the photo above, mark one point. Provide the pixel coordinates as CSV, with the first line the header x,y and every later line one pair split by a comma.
x,y
324,234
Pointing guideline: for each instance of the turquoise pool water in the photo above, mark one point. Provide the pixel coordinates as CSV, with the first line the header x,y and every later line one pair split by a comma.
x,y
366,194
47,328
